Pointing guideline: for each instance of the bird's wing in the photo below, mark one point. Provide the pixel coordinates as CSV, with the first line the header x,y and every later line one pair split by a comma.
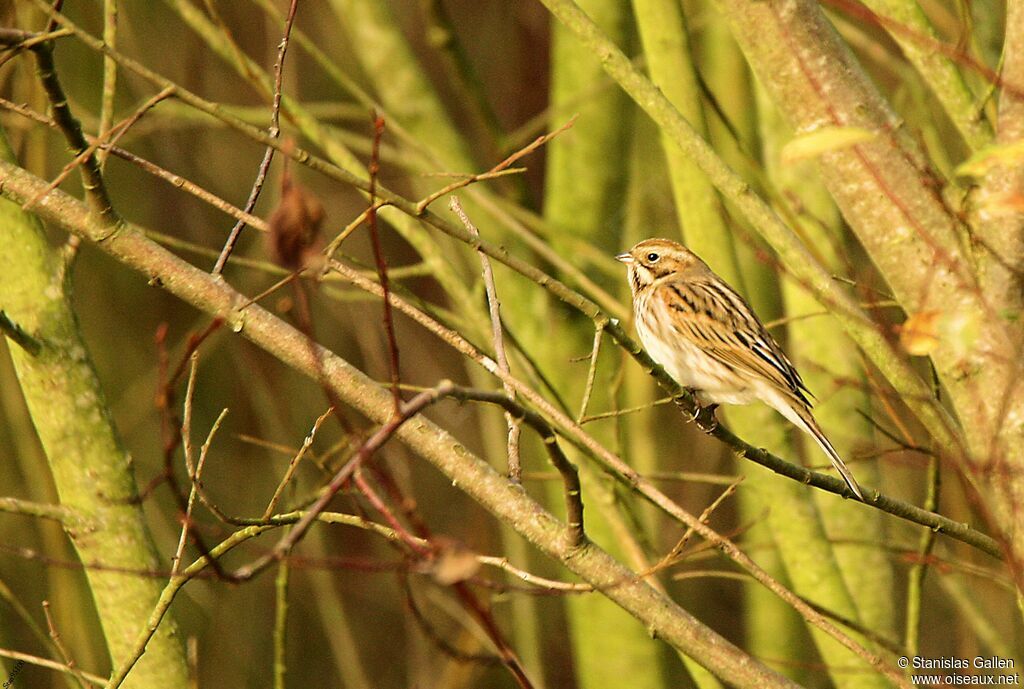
x,y
712,316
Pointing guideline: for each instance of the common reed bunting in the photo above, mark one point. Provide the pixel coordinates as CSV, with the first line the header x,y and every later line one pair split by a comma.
x,y
709,340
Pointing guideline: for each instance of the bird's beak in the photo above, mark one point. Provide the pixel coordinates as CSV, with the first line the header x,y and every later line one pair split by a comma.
x,y
624,257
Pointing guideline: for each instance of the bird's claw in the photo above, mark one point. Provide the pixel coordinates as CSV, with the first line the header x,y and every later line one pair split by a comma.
x,y
705,418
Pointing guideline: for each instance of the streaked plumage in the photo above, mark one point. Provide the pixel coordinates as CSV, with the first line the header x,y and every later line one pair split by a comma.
x,y
707,338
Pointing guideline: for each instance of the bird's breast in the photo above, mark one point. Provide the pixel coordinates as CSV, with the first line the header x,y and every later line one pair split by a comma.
x,y
688,364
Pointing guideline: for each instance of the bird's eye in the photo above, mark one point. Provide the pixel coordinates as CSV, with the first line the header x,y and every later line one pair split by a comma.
x,y
652,257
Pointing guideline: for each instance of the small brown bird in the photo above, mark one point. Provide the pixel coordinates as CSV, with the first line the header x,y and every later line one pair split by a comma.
x,y
708,339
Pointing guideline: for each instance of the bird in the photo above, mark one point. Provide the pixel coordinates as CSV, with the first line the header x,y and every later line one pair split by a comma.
x,y
708,339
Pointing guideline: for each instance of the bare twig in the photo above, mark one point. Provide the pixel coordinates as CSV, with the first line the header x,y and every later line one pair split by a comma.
x,y
405,537
95,680
281,623
186,443
464,181
515,467
372,444
496,171
109,73
150,167
195,473
382,266
274,132
106,139
17,40
58,643
591,373
566,469
92,178
19,336
294,463
673,555
919,568
623,412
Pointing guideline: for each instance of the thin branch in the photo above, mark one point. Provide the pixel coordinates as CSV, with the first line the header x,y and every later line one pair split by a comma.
x,y
566,469
368,448
195,480
294,463
281,623
61,648
624,412
149,167
502,563
515,467
105,140
92,177
109,73
919,568
274,132
673,555
381,263
18,40
18,335
466,179
405,537
588,389
58,513
95,680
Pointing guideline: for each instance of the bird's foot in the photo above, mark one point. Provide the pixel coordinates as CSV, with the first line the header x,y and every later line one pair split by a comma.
x,y
705,418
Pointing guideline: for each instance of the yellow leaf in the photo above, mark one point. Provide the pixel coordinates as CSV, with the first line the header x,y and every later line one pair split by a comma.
x,y
979,164
919,333
824,140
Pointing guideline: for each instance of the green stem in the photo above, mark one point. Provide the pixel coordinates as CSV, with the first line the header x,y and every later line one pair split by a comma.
x,y
90,466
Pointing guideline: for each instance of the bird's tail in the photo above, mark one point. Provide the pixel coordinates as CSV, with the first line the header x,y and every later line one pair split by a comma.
x,y
809,425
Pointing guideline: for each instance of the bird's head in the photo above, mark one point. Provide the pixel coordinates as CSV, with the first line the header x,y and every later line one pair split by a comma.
x,y
653,259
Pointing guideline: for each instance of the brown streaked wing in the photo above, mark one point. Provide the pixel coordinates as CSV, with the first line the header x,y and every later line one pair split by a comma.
x,y
716,319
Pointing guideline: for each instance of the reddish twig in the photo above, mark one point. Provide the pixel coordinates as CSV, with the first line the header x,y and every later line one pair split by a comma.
x,y
953,52
368,448
52,24
378,504
268,156
382,266
171,423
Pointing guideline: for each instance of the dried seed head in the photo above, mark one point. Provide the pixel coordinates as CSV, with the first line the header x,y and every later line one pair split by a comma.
x,y
295,225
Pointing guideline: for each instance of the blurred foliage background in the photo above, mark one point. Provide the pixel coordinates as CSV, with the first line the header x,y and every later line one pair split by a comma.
x,y
462,84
